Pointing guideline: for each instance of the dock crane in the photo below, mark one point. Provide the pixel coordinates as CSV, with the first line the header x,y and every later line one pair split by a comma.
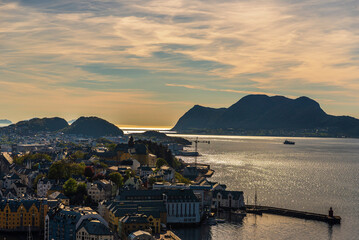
x,y
196,147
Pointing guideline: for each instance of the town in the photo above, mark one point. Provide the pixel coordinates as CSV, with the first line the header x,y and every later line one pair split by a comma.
x,y
70,186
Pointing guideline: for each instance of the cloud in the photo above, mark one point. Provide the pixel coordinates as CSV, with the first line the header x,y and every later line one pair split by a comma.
x,y
215,90
145,46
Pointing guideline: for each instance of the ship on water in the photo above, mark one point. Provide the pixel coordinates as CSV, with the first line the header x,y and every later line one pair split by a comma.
x,y
288,142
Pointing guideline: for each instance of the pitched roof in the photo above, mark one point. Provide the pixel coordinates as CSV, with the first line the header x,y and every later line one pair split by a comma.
x,y
13,176
7,157
138,218
15,204
95,227
225,194
57,195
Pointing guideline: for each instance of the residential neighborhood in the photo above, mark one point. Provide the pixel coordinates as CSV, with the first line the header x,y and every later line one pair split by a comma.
x,y
56,186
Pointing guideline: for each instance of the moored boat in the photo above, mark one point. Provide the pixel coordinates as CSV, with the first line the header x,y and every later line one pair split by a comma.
x,y
288,142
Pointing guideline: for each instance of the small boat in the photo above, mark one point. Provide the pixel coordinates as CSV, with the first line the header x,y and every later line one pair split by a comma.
x,y
289,142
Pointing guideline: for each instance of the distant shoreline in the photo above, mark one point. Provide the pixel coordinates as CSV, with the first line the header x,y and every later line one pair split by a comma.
x,y
241,135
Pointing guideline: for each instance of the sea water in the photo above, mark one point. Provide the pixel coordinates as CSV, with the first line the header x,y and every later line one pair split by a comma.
x,y
312,175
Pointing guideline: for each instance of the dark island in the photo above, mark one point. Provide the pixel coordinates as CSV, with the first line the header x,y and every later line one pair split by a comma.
x,y
93,127
85,126
268,116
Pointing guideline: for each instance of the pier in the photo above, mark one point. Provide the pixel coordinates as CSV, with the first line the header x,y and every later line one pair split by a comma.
x,y
293,213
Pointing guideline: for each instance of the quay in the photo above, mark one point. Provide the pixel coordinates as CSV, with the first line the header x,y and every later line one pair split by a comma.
x,y
293,213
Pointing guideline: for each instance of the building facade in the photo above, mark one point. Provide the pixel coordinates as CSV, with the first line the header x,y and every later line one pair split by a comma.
x,y
64,222
18,215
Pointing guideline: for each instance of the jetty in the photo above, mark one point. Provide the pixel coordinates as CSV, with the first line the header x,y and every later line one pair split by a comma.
x,y
330,218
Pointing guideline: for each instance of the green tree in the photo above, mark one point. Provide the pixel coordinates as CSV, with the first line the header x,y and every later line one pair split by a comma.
x,y
129,173
57,170
61,169
89,172
160,162
36,166
78,155
182,179
116,178
76,168
81,188
81,194
70,187
111,146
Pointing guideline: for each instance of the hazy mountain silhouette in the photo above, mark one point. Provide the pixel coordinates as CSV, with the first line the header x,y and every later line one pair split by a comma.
x,y
93,127
5,121
269,115
35,125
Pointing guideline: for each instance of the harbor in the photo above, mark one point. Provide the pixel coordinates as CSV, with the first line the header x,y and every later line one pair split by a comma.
x,y
293,213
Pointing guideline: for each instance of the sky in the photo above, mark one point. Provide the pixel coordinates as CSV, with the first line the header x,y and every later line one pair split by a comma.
x,y
146,62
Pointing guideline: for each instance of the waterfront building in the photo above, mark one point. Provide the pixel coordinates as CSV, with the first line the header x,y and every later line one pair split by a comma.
x,y
182,205
18,215
228,199
202,192
155,211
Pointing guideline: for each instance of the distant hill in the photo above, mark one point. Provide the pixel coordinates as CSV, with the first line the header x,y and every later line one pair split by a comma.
x,y
161,137
35,125
93,127
71,121
5,121
264,115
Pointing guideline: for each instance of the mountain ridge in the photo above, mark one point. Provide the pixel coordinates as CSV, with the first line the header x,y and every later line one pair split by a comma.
x,y
265,115
86,126
93,127
35,125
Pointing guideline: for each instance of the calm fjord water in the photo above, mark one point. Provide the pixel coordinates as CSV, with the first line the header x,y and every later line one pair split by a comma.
x,y
312,175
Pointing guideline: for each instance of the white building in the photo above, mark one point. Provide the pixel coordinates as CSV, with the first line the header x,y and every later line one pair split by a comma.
x,y
182,205
227,199
168,173
145,171
43,186
133,183
100,190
